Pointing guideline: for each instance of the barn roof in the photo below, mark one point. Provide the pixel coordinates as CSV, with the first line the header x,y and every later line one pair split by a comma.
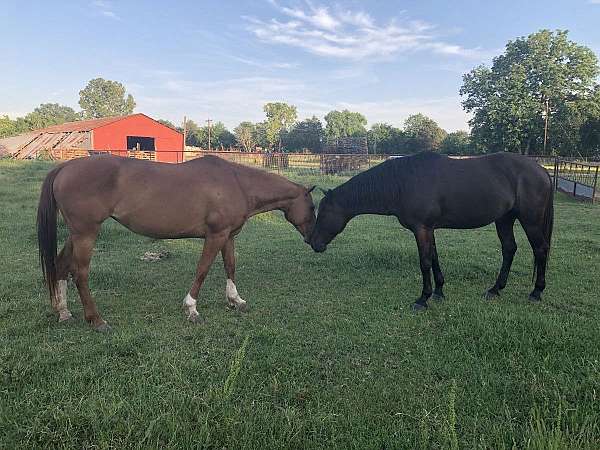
x,y
69,135
84,125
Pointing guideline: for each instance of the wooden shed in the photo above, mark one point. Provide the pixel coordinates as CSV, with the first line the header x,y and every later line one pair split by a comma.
x,y
117,135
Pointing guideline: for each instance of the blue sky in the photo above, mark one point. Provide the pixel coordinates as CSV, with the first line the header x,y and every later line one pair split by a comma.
x,y
225,59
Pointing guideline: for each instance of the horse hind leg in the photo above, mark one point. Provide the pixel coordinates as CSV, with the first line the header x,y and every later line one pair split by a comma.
x,y
63,269
234,301
83,245
540,247
505,231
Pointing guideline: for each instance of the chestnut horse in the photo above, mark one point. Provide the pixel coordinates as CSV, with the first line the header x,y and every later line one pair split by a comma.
x,y
206,198
429,191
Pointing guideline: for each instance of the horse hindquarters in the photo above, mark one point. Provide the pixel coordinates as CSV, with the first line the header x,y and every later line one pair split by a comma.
x,y
538,221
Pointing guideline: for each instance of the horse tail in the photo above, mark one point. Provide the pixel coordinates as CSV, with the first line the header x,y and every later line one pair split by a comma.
x,y
548,225
46,230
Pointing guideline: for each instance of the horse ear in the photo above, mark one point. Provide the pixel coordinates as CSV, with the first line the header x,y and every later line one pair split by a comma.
x,y
310,189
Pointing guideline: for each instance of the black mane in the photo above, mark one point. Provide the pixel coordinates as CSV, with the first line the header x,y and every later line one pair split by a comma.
x,y
384,182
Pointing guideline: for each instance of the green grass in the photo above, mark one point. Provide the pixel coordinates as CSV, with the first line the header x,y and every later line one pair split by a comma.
x,y
329,356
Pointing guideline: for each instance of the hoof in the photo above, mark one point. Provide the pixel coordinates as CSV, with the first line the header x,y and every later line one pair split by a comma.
x,y
438,297
196,319
241,307
103,328
491,295
534,299
417,307
65,316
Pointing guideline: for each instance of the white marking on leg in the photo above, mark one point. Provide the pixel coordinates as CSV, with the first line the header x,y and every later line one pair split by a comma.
x,y
61,301
190,304
233,298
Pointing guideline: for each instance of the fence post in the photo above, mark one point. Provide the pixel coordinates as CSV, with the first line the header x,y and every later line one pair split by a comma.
x,y
556,173
595,184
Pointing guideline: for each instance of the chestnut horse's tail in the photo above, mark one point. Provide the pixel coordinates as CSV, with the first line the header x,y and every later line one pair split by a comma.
x,y
46,230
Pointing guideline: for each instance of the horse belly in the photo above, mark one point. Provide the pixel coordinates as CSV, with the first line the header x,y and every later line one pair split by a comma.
x,y
161,220
474,209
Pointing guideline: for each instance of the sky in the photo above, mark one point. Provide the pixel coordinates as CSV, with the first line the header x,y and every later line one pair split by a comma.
x,y
225,59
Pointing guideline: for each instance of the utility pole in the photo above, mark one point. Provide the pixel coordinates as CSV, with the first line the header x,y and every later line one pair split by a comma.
x,y
208,121
184,131
546,116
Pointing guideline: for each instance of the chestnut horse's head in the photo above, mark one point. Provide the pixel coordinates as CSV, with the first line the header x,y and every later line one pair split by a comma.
x,y
331,221
300,212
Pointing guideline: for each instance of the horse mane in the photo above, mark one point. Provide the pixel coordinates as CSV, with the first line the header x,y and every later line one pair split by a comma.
x,y
388,180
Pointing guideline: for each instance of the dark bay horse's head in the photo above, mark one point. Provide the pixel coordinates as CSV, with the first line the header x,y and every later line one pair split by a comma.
x,y
300,212
331,221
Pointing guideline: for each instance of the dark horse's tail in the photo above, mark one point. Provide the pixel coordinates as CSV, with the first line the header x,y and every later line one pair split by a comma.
x,y
46,230
548,224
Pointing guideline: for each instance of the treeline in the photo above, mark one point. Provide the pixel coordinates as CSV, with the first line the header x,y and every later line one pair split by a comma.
x,y
282,132
540,96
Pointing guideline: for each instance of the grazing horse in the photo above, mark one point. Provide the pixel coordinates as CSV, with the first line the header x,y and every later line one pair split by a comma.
x,y
429,191
206,198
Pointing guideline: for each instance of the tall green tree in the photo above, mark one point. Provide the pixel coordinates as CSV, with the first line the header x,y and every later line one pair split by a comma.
x,y
307,134
384,138
280,116
261,134
543,72
245,134
422,134
105,98
48,114
345,124
458,143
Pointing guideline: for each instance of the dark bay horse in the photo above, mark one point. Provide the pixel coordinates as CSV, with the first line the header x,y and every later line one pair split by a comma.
x,y
428,191
206,198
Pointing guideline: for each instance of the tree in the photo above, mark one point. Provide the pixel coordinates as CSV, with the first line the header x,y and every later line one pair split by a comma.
x,y
197,136
385,139
7,127
170,124
193,133
261,134
306,134
245,134
48,114
105,98
457,143
220,136
345,124
543,74
280,116
422,133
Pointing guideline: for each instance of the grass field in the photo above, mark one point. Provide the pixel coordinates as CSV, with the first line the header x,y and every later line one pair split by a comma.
x,y
329,356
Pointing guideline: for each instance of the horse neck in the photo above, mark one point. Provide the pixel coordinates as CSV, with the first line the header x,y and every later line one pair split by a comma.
x,y
265,191
356,199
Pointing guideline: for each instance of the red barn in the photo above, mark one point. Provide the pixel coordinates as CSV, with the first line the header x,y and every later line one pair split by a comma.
x,y
122,136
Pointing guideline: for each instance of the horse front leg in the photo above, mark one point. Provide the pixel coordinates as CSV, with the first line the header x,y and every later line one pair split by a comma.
x,y
234,301
424,238
212,245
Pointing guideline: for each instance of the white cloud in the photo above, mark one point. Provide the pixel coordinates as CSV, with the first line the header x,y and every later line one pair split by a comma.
x,y
237,99
351,34
105,8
